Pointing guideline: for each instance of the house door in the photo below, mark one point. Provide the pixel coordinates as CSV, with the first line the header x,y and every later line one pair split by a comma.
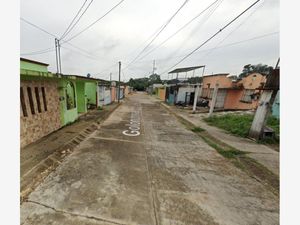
x,y
221,98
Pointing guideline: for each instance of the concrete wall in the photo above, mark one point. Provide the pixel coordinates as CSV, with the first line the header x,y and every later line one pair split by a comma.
x,y
33,66
34,126
91,92
67,116
235,90
210,81
113,94
182,93
81,98
161,93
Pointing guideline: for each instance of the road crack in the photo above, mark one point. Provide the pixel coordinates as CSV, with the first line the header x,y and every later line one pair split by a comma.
x,y
76,214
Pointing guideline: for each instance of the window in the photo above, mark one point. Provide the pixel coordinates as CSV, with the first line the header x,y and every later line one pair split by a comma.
x,y
30,100
247,96
44,99
70,96
23,105
37,96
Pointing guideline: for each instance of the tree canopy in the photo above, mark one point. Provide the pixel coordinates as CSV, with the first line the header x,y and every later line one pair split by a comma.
x,y
259,68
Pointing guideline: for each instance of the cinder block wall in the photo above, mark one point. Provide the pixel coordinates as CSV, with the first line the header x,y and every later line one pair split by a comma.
x,y
34,126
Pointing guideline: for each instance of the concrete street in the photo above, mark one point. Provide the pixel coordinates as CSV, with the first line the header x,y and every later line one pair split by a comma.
x,y
144,167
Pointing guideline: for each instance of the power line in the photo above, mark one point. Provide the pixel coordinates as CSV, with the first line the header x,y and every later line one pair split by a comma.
x,y
62,36
80,53
74,36
153,39
209,14
222,46
234,30
77,20
38,52
45,31
41,29
224,27
180,29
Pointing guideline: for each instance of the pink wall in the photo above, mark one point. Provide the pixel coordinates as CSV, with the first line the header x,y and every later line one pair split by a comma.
x,y
223,81
233,97
113,94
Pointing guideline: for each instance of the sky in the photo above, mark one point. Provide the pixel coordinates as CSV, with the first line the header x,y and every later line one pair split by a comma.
x,y
123,33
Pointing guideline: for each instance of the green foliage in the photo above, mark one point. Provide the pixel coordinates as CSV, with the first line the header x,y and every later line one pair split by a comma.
x,y
140,84
99,107
240,124
259,68
197,129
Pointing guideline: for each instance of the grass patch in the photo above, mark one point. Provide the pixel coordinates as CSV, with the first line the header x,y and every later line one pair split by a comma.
x,y
197,129
240,124
100,108
227,153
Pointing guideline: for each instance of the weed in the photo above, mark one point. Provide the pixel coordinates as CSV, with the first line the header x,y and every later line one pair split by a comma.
x,y
197,129
240,125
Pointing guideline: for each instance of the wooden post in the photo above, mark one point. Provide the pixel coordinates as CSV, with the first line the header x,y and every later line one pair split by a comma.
x,y
214,100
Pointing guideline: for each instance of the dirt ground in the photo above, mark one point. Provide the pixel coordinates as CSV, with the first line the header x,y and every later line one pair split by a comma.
x,y
142,166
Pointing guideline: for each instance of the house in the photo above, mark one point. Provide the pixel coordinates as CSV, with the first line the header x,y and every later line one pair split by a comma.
x,y
40,103
50,101
180,93
233,93
104,93
160,91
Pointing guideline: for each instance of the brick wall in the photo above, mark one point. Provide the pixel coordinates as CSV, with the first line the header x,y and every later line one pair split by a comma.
x,y
42,122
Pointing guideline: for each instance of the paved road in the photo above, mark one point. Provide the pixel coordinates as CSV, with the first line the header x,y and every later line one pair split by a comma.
x,y
143,167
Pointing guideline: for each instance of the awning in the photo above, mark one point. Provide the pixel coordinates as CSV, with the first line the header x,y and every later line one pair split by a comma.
x,y
186,69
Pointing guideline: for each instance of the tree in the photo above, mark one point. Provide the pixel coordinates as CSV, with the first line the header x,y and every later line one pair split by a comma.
x,y
259,68
154,79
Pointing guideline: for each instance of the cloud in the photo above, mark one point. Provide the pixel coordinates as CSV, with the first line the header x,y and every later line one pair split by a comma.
x,y
123,33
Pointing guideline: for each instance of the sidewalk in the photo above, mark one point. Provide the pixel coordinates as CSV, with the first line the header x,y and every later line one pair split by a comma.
x,y
261,153
38,159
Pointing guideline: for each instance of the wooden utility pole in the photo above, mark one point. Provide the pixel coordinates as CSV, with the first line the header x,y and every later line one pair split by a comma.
x,y
119,82
214,100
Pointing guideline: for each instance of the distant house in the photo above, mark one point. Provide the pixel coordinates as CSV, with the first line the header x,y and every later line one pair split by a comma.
x,y
180,93
233,93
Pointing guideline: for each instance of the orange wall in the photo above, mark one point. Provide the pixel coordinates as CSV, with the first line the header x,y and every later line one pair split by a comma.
x,y
223,81
162,93
253,81
113,94
233,97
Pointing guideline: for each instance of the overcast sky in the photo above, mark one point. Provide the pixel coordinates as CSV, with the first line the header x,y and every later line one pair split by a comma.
x,y
122,34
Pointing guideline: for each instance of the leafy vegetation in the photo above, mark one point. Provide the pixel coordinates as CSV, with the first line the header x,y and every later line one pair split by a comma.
x,y
259,68
197,129
240,124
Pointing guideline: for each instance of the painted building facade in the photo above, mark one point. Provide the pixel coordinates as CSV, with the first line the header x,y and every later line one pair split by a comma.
x,y
233,94
39,101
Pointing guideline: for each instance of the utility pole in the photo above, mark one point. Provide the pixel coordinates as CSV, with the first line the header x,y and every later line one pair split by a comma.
x,y
214,100
57,71
265,105
59,56
110,76
119,82
153,66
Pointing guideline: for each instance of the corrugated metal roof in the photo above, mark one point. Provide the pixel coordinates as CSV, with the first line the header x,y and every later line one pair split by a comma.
x,y
185,69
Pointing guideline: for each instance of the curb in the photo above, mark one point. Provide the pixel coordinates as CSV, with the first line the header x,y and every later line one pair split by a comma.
x,y
39,173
